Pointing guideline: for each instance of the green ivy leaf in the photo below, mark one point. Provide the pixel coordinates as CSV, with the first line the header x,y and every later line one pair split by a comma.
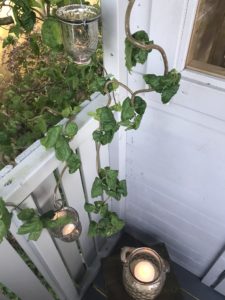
x,y
117,107
103,208
139,105
48,215
154,82
96,189
127,110
122,189
167,85
16,30
66,112
108,126
26,214
51,34
137,122
41,125
90,208
73,163
133,54
103,137
94,115
51,224
117,223
92,231
34,236
28,20
5,220
3,230
51,137
114,194
71,130
100,207
168,93
111,178
107,120
108,182
33,225
62,149
9,40
35,3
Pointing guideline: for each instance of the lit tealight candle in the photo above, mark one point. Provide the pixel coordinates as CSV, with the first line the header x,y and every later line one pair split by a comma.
x,y
68,229
58,214
144,271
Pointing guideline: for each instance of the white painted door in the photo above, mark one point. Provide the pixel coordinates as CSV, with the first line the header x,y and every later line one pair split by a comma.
x,y
176,161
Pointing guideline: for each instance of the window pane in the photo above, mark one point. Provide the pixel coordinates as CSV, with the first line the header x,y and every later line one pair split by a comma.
x,y
207,48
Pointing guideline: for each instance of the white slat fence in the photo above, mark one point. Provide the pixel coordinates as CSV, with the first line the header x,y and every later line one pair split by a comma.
x,y
67,267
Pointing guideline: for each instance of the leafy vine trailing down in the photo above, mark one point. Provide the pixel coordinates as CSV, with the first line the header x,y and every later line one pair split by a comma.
x,y
132,109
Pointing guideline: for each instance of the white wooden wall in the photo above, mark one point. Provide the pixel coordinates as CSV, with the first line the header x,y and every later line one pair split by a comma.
x,y
176,160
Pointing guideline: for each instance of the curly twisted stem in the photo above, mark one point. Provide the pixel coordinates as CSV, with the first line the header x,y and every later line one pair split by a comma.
x,y
141,45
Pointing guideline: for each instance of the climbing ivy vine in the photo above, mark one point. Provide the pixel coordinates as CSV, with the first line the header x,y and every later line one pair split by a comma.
x,y
107,184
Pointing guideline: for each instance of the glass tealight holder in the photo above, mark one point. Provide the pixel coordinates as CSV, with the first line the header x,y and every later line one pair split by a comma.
x,y
80,31
144,272
69,232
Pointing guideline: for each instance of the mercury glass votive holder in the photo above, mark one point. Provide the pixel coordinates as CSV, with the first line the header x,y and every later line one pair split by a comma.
x,y
69,232
144,272
79,30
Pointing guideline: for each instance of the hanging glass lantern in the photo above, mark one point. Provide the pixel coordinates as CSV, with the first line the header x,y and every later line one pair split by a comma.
x,y
80,31
69,232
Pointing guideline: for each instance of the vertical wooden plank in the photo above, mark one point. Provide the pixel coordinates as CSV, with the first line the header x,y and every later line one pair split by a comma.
x,y
46,257
221,288
167,32
113,12
26,286
216,269
69,252
186,32
73,189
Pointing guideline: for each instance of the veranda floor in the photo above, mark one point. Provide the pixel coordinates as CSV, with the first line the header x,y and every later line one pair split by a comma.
x,y
190,285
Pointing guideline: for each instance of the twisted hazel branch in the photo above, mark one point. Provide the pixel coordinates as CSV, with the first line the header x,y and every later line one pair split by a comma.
x,y
120,84
98,161
141,45
140,92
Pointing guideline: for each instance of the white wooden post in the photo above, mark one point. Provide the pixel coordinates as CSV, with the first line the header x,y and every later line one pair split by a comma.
x,y
16,275
113,12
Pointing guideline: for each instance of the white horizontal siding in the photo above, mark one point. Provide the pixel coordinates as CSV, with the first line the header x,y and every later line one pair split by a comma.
x,y
176,160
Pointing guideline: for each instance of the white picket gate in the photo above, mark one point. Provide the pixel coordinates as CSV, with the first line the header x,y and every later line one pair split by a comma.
x,y
67,267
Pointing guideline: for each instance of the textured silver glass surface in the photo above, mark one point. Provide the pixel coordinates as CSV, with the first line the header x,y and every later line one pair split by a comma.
x,y
136,289
80,31
76,232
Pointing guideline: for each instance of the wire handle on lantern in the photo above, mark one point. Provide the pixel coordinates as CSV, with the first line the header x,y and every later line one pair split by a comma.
x,y
139,44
